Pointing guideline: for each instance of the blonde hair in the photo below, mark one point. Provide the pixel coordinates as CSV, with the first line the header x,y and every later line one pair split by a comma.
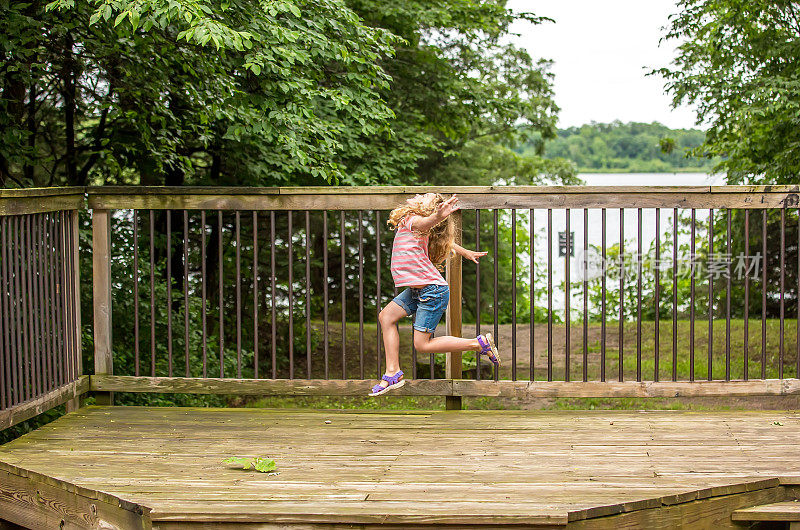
x,y
440,237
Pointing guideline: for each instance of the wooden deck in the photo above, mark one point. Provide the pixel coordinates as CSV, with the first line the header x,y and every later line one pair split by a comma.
x,y
478,469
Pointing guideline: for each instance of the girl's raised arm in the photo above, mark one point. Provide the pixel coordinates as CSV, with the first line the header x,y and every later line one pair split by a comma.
x,y
423,224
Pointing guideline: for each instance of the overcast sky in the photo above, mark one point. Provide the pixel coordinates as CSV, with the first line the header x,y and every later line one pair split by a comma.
x,y
601,52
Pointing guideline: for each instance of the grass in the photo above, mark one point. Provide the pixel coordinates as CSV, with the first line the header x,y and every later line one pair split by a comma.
x,y
632,364
365,352
726,362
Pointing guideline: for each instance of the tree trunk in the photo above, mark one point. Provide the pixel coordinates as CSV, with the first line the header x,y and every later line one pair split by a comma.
x,y
13,92
29,167
68,93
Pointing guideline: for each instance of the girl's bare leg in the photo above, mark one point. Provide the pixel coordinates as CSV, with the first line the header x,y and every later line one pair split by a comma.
x,y
425,344
389,316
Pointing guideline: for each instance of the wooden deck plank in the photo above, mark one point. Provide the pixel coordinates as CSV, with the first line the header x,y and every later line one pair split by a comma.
x,y
777,511
378,467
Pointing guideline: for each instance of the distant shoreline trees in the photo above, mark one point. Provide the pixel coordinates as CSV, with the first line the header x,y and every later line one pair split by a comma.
x,y
618,147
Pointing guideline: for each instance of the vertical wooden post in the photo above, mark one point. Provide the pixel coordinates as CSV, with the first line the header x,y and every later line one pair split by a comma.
x,y
101,281
453,359
75,404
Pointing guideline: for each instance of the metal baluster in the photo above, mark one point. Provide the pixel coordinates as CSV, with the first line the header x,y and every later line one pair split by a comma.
x,y
325,290
186,292
567,301
782,276
221,282
273,322
238,227
728,305
344,295
746,310
691,302
152,296
308,295
549,294
710,294
256,300
585,295
674,294
378,297
532,295
513,294
361,293
495,306
657,274
136,292
621,291
291,296
169,290
204,288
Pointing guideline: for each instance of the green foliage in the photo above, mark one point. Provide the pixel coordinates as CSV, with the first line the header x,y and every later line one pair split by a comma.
x,y
169,92
458,87
738,64
625,147
703,256
270,92
261,464
32,424
485,162
508,284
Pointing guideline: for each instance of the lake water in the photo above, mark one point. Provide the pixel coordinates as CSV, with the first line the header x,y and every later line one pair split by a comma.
x,y
652,179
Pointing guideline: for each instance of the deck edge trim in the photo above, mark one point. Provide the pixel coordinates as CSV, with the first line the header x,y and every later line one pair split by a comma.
x,y
31,408
447,387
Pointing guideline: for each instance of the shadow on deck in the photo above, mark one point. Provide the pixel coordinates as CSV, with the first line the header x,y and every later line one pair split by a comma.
x,y
135,467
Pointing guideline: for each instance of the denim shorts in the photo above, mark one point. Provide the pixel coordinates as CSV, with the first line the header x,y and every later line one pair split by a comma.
x,y
429,303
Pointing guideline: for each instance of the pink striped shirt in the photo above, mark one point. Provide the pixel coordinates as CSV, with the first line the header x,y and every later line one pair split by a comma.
x,y
411,264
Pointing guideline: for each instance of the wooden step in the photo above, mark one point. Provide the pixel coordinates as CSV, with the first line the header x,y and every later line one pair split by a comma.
x,y
788,511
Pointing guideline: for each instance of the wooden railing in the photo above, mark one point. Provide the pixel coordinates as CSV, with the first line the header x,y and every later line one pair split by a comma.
x,y
40,321
238,259
277,291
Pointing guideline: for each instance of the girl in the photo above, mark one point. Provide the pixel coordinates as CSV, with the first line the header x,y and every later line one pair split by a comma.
x,y
424,239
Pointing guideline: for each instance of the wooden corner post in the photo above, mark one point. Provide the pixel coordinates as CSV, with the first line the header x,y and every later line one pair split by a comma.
x,y
101,282
453,270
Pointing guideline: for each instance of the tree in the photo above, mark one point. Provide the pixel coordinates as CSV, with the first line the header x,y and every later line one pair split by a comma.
x,y
165,92
739,64
275,92
463,97
634,147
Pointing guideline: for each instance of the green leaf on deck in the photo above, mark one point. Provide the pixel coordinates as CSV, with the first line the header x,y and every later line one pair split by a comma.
x,y
245,463
264,465
259,463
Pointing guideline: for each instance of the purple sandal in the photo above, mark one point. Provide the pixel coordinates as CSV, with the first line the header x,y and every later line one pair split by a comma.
x,y
395,381
488,348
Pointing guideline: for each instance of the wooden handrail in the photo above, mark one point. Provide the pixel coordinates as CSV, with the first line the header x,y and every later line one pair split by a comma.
x,y
346,190
471,197
28,409
39,200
